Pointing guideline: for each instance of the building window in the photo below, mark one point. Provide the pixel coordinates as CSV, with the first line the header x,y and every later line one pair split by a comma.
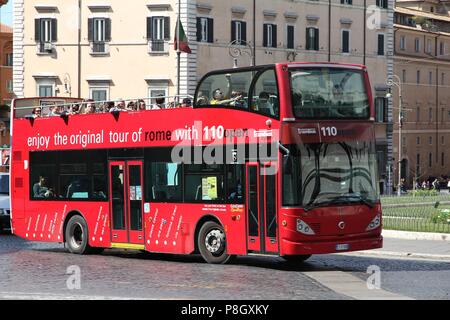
x,y
430,140
430,159
418,114
9,86
158,89
418,164
430,114
99,93
441,48
312,38
290,32
158,33
382,4
9,60
429,46
380,109
345,41
442,159
430,77
417,45
45,90
380,50
205,30
270,35
402,43
239,32
418,77
417,140
45,34
404,76
346,2
442,78
99,33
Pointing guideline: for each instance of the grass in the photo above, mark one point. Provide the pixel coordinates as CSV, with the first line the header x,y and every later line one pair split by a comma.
x,y
387,200
414,218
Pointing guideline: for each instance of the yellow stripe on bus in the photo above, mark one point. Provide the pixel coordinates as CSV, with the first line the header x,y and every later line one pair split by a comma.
x,y
128,246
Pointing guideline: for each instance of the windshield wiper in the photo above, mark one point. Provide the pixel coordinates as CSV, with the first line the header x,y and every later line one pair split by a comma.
x,y
359,199
344,200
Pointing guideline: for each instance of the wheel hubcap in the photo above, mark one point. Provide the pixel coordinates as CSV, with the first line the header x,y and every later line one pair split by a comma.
x,y
215,241
77,236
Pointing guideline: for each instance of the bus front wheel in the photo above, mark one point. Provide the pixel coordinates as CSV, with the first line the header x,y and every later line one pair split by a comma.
x,y
212,243
76,235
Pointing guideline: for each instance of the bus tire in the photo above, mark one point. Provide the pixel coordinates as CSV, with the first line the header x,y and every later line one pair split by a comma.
x,y
212,243
76,235
296,258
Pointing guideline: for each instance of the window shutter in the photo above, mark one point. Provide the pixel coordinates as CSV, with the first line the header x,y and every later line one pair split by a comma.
x,y
166,28
316,39
290,37
274,36
265,35
233,30
54,30
91,30
380,44
345,41
37,30
149,28
210,30
244,32
199,30
108,29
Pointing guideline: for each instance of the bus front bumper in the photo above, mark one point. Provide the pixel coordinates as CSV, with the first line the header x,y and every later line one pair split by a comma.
x,y
336,246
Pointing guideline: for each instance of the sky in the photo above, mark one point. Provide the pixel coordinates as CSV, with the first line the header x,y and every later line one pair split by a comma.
x,y
6,16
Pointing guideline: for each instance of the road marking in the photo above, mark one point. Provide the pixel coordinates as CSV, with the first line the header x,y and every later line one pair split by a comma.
x,y
394,254
351,286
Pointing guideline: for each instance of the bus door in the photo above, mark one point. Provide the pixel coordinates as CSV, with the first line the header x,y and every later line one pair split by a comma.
x,y
126,201
261,209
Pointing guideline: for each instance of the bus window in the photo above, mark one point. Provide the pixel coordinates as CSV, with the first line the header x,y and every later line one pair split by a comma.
x,y
235,179
225,89
163,182
265,94
204,183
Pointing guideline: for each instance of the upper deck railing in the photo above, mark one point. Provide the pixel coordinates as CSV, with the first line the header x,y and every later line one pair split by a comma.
x,y
43,107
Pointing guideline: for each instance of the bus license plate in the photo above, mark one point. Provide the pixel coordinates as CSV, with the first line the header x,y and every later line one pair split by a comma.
x,y
342,246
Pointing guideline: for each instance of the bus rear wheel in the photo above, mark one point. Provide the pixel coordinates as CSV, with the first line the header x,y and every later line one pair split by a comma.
x,y
212,243
296,258
76,235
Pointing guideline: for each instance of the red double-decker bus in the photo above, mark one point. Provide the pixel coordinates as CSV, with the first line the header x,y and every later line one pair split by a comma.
x,y
274,160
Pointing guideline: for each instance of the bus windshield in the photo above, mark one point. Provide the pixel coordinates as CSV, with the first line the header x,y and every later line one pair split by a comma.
x,y
321,174
329,93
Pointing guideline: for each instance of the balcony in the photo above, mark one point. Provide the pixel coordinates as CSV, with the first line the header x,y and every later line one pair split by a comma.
x,y
45,48
99,48
158,47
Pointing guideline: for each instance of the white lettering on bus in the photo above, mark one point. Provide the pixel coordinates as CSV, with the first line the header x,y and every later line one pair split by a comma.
x,y
38,141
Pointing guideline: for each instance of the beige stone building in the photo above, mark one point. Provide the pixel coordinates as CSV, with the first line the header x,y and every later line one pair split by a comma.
x,y
124,49
422,64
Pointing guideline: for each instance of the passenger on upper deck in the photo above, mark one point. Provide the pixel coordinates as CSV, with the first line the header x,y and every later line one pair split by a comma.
x,y
219,97
142,105
159,102
187,103
37,112
131,106
55,111
74,109
90,107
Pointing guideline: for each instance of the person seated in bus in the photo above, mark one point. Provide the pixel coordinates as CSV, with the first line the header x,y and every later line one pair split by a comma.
x,y
74,109
186,103
120,106
237,192
238,99
159,103
141,106
90,107
202,101
40,189
264,105
219,98
131,106
55,111
37,112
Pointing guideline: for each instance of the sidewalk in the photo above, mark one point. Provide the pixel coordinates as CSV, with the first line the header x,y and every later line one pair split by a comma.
x,y
415,249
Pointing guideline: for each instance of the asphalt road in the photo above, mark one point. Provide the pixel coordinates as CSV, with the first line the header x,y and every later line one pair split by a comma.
x,y
30,270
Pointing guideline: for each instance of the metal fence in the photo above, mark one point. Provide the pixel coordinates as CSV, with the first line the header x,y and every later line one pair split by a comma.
x,y
429,213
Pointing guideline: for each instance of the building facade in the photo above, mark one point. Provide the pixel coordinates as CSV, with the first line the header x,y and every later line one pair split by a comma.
x,y
115,49
422,69
6,83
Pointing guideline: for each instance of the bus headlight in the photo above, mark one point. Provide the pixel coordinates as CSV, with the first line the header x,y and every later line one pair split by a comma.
x,y
304,228
375,223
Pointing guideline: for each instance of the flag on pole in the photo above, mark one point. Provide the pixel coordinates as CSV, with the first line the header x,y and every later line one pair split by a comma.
x,y
181,39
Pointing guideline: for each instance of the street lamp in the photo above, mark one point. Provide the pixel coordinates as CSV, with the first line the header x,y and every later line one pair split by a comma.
x,y
396,81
